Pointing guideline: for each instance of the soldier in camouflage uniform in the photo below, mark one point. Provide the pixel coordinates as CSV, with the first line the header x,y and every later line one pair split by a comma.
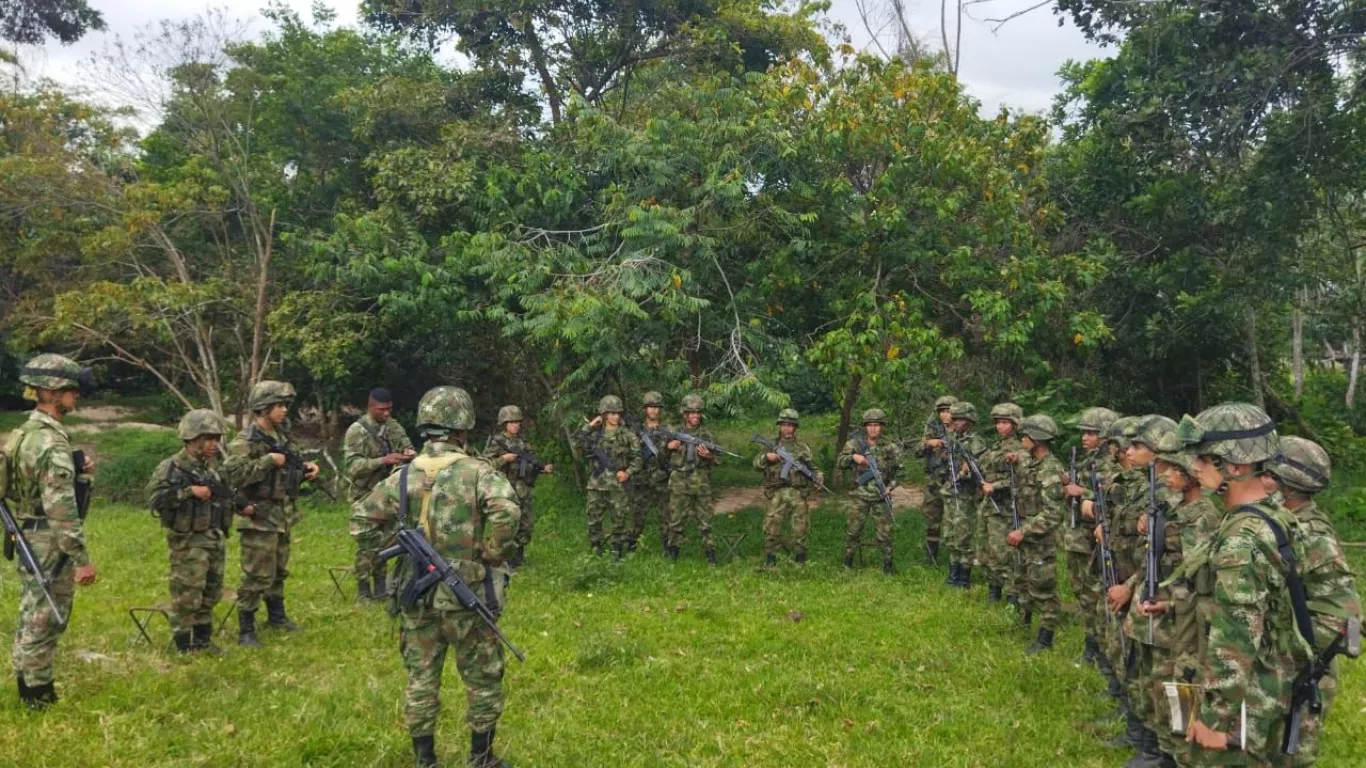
x,y
41,488
263,474
935,453
613,452
865,499
1254,651
1301,470
374,444
195,506
1041,513
1078,535
690,481
506,450
960,509
788,499
650,491
468,511
994,513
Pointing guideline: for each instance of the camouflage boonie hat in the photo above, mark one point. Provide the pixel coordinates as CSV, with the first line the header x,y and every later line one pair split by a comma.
x,y
874,416
1097,420
964,410
1302,465
1039,427
1238,433
610,404
446,408
692,403
509,413
200,421
56,372
789,416
1118,429
652,398
267,393
946,401
1151,431
1008,411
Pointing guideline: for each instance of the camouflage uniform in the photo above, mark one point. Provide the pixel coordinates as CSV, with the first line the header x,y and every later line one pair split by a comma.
x,y
650,491
363,449
865,500
787,499
960,522
1079,534
936,476
690,487
606,496
1125,489
521,476
1042,508
994,514
42,479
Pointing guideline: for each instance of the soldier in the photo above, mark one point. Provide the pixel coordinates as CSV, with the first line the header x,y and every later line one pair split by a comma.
x,y
1078,537
787,497
935,454
1041,512
1301,470
195,506
994,512
468,511
49,493
960,521
650,491
615,455
259,465
373,446
865,498
1253,651
690,480
511,454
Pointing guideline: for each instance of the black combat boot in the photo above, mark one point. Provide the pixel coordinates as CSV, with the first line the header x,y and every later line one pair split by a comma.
x,y
711,557
994,593
363,593
887,567
931,552
1090,650
952,578
617,550
424,749
800,557
770,560
1027,619
1133,732
202,640
672,551
1043,643
849,560
631,545
518,558
25,693
1149,753
1013,601
246,629
965,576
275,615
381,585
41,696
481,751
182,642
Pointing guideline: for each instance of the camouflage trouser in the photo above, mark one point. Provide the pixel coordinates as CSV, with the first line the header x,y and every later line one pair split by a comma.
x,y
786,504
1114,643
1037,583
960,524
859,511
1154,666
1000,559
527,523
690,506
35,637
613,505
265,566
645,497
197,562
933,510
1084,576
371,536
423,640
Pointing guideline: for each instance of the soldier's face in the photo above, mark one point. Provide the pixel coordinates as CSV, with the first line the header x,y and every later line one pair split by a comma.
x,y
513,427
945,416
613,419
961,425
1139,455
1207,472
1171,476
1005,427
693,419
380,412
205,446
1089,440
64,400
873,430
1027,443
1122,455
652,412
787,430
276,414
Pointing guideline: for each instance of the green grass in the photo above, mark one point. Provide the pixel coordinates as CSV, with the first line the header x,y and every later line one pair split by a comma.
x,y
641,663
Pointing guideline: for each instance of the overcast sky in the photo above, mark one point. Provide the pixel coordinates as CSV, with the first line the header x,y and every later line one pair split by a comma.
x,y
1015,66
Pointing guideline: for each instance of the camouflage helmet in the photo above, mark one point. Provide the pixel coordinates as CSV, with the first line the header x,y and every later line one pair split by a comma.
x,y
1007,411
1238,433
1179,456
509,413
789,416
874,416
1040,427
947,401
964,410
1154,431
692,403
445,408
200,421
1096,420
1118,429
652,398
267,393
55,372
1302,465
610,404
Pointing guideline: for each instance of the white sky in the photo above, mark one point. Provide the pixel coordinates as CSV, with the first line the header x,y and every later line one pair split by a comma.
x,y
1015,66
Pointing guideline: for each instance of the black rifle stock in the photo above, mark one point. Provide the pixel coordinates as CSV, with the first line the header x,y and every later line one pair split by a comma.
x,y
1109,574
1157,542
1305,694
1075,503
16,543
295,467
789,463
1015,523
874,475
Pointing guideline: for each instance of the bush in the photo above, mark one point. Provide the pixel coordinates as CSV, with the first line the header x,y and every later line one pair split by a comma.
x,y
125,460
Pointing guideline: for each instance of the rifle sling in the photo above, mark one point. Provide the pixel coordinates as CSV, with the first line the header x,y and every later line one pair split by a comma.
x,y
1299,598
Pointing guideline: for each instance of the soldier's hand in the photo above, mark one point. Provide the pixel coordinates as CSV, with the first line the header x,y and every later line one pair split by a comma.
x,y
672,445
988,488
85,574
547,469
1118,596
1074,490
703,452
1206,737
1014,538
89,468
310,470
392,459
1012,458
508,458
1088,509
409,453
1156,608
934,443
771,457
595,422
859,459
201,492
278,458
1099,534
623,476
1143,525
247,511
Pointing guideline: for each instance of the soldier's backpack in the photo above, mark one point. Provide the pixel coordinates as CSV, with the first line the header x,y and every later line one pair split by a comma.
x,y
430,466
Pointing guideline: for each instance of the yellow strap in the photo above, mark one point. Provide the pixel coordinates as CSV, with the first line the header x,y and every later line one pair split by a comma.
x,y
430,466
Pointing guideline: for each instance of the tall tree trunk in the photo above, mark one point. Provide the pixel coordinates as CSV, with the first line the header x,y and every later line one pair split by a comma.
x,y
1354,366
1255,360
695,368
258,332
846,411
1297,342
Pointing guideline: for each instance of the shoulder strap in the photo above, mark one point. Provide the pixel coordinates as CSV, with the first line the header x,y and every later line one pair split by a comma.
x,y
403,496
383,442
1299,599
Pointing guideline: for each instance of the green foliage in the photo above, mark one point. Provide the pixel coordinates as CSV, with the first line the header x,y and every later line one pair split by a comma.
x,y
125,458
30,22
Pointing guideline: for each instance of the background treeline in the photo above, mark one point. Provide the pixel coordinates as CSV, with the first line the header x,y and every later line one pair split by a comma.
x,y
708,195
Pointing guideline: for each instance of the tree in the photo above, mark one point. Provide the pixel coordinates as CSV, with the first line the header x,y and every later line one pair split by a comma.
x,y
30,22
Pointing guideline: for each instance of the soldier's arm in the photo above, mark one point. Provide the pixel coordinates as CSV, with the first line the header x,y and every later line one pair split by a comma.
x,y
494,450
381,503
761,460
501,513
164,492
1241,590
637,462
241,468
57,480
356,459
1051,508
1333,596
846,458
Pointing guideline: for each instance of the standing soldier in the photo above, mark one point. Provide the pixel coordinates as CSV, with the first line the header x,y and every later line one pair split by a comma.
x,y
866,497
1079,531
259,465
1041,512
50,494
690,480
511,454
996,506
960,511
651,488
787,497
373,446
195,507
468,511
615,454
935,454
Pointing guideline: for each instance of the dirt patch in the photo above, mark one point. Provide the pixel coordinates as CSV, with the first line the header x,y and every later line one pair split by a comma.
x,y
734,499
104,426
103,413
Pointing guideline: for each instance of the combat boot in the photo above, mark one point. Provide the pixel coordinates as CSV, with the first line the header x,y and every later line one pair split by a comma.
x,y
994,593
952,578
25,693
363,594
41,696
518,558
631,545
246,629
1027,619
887,567
202,640
481,751
275,615
381,586
1013,601
1149,753
800,557
1042,643
965,576
1133,732
849,560
182,642
672,551
931,552
424,749
1089,652
617,550
711,557
770,560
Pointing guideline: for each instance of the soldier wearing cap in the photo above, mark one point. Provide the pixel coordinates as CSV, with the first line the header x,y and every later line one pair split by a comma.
x,y
42,478
373,446
506,449
614,457
1041,513
866,499
650,491
995,510
961,493
934,450
788,498
1078,533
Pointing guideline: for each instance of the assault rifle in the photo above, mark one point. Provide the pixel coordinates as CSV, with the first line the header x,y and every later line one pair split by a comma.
x,y
429,569
939,432
790,463
1305,693
694,442
295,467
652,452
1108,573
1075,503
602,460
82,488
957,504
528,466
1157,543
15,542
1015,523
874,475
218,490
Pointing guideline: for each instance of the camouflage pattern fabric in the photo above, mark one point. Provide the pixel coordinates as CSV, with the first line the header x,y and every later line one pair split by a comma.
x,y
994,521
787,500
363,449
265,534
498,445
690,497
936,477
1083,564
650,490
265,567
864,498
960,522
1041,513
607,499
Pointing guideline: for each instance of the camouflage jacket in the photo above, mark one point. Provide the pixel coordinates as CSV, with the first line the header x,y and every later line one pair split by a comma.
x,y
773,472
654,469
518,474
1125,502
1181,628
1078,533
365,444
250,470
688,472
169,496
43,482
1328,579
1041,504
885,452
997,471
622,449
967,484
936,459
